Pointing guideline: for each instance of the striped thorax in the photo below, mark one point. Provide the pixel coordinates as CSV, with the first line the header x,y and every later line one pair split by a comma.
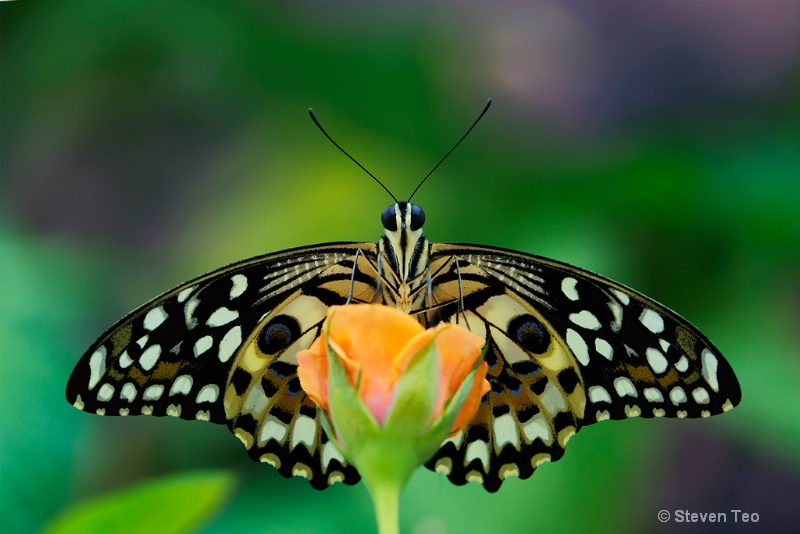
x,y
404,254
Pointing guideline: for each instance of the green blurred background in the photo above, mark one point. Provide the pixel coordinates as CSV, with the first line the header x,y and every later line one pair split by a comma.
x,y
656,143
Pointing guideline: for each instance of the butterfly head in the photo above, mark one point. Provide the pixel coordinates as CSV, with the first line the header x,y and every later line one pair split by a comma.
x,y
403,244
404,217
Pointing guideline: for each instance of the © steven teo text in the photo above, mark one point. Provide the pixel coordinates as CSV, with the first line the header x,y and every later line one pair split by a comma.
x,y
685,516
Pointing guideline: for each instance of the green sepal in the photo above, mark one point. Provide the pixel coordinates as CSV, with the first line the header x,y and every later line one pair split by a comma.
x,y
443,425
415,395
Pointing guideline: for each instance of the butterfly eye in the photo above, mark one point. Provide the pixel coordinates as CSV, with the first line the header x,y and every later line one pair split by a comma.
x,y
417,217
279,333
388,219
529,333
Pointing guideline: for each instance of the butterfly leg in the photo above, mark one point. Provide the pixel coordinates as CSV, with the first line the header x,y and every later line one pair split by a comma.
x,y
353,277
461,308
429,297
378,286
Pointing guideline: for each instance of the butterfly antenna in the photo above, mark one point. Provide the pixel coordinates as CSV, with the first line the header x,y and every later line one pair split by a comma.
x,y
485,109
314,118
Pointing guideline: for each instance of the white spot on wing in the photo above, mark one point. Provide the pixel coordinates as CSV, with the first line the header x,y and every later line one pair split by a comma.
x,y
154,318
229,343
616,311
656,360
222,316
125,360
149,357
181,386
153,392
632,411
256,400
682,364
599,394
202,345
585,319
97,366
551,399
568,288
623,297
105,392
653,395
183,295
508,470
128,392
208,393
677,395
474,476
239,285
578,346
444,465
700,396
505,431
272,429
652,321
330,452
710,369
624,387
188,312
477,449
537,427
304,431
456,440
603,348
302,470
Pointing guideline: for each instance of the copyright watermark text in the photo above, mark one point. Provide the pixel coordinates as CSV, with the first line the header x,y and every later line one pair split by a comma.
x,y
686,516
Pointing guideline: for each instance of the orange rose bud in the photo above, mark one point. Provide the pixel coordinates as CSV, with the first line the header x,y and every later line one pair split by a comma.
x,y
376,344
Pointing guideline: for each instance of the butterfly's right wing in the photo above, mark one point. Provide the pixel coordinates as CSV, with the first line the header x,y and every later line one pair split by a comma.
x,y
221,348
567,348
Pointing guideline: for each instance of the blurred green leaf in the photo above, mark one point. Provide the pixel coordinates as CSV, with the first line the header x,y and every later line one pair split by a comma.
x,y
180,503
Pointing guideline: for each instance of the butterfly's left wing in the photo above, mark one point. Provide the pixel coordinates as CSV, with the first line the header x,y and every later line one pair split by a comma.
x,y
221,348
567,348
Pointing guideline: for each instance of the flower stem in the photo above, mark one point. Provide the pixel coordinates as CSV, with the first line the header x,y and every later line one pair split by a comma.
x,y
386,499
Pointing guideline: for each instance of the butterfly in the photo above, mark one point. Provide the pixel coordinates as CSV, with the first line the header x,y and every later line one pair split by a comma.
x,y
567,348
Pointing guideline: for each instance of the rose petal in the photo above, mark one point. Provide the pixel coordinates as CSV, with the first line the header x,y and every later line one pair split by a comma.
x,y
312,370
459,350
480,386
